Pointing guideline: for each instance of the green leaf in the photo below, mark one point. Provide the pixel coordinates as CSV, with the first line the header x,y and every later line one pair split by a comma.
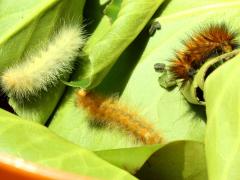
x,y
131,19
17,25
34,142
135,157
222,96
26,26
112,9
181,160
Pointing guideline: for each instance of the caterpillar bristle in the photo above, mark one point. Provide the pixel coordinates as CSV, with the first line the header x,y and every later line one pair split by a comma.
x,y
44,69
112,113
212,40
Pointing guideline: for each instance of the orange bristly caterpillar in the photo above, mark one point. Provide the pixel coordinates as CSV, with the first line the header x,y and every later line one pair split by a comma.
x,y
213,40
109,111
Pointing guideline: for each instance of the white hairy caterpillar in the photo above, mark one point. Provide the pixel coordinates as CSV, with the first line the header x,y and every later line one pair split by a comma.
x,y
45,68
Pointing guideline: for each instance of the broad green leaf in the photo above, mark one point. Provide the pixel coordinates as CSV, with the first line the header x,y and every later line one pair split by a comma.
x,y
135,157
18,21
176,160
34,142
131,19
25,27
181,160
222,97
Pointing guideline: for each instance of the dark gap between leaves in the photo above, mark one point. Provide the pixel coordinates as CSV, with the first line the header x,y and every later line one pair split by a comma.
x,y
4,103
211,69
199,94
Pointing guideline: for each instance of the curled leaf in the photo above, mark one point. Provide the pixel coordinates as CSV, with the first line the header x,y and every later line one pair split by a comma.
x,y
221,91
193,90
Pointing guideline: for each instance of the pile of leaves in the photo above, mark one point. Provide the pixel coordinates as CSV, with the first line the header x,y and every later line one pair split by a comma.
x,y
201,142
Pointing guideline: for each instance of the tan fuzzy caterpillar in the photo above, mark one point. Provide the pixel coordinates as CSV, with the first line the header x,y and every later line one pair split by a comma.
x,y
45,68
109,111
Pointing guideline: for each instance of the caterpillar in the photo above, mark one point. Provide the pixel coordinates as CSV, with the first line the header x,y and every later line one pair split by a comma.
x,y
114,114
212,40
39,71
